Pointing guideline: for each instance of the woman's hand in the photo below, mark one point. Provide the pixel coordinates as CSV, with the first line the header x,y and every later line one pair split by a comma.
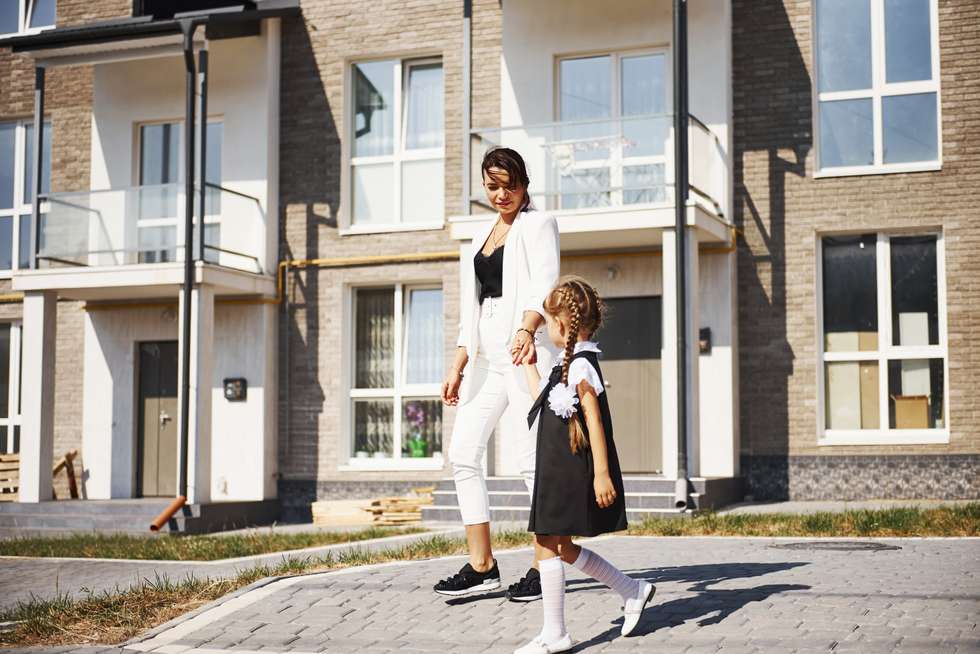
x,y
522,350
450,387
605,494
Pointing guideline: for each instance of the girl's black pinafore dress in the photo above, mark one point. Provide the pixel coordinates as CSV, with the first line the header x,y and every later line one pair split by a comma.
x,y
564,496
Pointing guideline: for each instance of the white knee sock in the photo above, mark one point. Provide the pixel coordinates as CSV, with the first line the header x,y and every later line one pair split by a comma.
x,y
552,598
605,572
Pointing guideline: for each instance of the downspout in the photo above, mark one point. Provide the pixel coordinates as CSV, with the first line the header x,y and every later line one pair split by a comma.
x,y
36,164
467,99
681,496
188,27
203,140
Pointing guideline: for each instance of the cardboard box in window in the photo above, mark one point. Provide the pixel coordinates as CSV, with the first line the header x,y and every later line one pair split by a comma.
x,y
911,411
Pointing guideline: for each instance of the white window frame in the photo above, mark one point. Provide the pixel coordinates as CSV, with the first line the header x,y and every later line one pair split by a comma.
x,y
885,352
24,12
617,161
397,393
21,205
879,89
403,64
177,221
12,420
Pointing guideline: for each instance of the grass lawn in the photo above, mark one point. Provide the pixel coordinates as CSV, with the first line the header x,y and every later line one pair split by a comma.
x,y
169,547
107,618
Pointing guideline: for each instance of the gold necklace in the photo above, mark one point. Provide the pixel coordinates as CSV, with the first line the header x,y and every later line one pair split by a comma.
x,y
494,241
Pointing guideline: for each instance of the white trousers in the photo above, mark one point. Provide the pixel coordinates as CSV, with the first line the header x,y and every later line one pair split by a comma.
x,y
501,398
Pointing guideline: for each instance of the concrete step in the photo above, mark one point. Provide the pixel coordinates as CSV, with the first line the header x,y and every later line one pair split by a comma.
x,y
151,507
632,483
83,522
634,500
521,514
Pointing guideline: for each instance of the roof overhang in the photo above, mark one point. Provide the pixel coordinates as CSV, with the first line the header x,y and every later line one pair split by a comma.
x,y
142,36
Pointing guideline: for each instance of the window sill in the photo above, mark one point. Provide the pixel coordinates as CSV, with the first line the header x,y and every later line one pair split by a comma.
x,y
406,463
391,227
884,437
857,171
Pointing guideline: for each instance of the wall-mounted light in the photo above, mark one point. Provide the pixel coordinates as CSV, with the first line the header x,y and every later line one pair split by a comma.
x,y
236,389
704,340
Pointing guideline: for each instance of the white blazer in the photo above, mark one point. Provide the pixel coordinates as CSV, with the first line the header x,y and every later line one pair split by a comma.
x,y
530,271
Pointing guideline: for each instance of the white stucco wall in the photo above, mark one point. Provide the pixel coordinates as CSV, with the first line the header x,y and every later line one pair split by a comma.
x,y
243,457
243,92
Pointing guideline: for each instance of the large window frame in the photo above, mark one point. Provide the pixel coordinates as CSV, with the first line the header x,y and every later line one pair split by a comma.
x,y
618,160
11,422
880,88
886,350
25,12
22,206
400,154
400,391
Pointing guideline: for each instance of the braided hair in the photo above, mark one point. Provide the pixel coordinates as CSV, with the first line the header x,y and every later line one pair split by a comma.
x,y
575,298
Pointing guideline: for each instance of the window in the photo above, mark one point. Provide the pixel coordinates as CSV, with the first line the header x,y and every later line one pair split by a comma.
x,y
615,105
397,369
17,192
25,16
397,144
10,387
160,195
883,339
877,79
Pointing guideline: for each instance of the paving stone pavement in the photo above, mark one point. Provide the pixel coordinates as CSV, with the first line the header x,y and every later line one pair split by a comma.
x,y
731,595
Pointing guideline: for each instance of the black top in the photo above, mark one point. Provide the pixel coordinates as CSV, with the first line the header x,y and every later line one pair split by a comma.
x,y
564,495
490,272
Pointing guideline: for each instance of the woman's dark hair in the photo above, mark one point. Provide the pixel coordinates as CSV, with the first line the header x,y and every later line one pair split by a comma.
x,y
511,162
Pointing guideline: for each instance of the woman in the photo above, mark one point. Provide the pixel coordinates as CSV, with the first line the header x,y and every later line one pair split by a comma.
x,y
511,268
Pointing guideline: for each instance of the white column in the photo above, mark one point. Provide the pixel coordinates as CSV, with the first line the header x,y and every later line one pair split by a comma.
x,y
670,357
37,399
202,364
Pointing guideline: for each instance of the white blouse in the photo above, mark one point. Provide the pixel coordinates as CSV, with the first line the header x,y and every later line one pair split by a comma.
x,y
580,368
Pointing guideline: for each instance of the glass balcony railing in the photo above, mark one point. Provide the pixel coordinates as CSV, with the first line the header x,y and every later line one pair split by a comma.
x,y
594,164
145,224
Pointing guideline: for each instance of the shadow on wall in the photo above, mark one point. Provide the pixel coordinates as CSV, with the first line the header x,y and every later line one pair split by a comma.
x,y
309,177
772,115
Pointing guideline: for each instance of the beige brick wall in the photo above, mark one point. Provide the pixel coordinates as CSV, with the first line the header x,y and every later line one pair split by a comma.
x,y
781,209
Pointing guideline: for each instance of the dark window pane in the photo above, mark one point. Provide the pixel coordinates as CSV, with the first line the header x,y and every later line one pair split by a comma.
x,y
421,427
908,41
373,427
908,124
631,330
159,153
843,45
374,339
24,245
42,14
9,16
850,299
915,394
29,161
4,370
7,161
16,438
4,442
6,242
915,293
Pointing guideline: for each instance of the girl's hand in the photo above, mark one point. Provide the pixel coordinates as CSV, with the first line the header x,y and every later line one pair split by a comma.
x,y
450,387
605,494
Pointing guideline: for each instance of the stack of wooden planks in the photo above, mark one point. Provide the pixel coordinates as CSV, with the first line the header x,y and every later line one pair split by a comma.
x,y
9,477
394,511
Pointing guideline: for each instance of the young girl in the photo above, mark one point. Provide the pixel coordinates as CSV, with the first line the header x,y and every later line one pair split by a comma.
x,y
578,487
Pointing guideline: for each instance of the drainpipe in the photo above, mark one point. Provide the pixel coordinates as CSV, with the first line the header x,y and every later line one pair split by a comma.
x,y
188,27
36,164
681,497
203,139
467,99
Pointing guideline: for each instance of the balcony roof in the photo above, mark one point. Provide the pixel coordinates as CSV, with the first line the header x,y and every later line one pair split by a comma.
x,y
86,43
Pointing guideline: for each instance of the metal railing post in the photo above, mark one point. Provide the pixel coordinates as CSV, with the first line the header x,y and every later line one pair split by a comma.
x,y
37,164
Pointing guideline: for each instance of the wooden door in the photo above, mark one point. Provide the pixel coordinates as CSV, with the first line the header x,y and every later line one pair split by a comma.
x,y
630,341
157,441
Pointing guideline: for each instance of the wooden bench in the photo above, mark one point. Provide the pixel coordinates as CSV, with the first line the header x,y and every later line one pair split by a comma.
x,y
10,475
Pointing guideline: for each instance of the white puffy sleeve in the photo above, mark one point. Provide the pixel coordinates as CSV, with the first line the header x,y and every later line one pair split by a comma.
x,y
581,369
544,260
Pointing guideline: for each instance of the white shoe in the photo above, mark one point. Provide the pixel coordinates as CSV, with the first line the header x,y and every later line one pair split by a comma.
x,y
633,608
538,646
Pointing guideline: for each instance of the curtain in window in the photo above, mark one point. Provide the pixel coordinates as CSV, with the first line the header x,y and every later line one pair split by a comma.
x,y
374,339
424,343
424,128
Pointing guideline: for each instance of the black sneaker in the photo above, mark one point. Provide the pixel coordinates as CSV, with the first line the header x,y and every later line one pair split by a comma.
x,y
468,580
527,589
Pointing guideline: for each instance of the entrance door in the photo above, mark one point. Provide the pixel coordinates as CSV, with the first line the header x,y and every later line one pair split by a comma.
x,y
630,341
157,442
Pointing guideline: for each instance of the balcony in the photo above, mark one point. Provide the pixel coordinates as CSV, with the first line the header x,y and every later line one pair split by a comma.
x,y
606,176
103,244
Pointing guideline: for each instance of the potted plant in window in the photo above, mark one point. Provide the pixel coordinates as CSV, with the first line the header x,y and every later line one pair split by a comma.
x,y
415,417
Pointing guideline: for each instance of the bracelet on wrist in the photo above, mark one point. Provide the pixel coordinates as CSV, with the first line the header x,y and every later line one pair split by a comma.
x,y
525,329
